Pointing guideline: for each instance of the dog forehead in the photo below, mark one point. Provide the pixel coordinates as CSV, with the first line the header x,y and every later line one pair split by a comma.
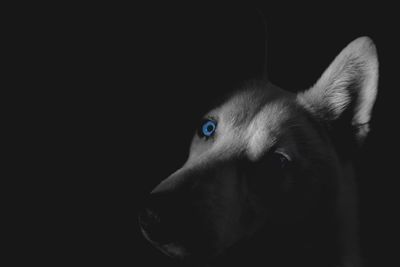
x,y
257,116
267,126
244,105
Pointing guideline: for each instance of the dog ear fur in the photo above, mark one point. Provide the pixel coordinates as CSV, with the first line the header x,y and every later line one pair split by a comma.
x,y
347,89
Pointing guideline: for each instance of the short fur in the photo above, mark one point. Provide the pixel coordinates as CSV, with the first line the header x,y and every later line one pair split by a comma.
x,y
230,191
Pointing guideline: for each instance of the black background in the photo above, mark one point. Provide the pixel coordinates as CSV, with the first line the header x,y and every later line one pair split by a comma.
x,y
132,83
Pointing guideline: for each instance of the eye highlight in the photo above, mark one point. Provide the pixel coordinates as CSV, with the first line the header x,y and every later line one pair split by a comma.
x,y
207,128
281,159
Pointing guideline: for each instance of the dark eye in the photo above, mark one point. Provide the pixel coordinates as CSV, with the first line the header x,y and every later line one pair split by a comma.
x,y
207,128
280,159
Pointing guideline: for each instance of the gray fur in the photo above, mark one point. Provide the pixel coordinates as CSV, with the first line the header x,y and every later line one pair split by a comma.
x,y
228,191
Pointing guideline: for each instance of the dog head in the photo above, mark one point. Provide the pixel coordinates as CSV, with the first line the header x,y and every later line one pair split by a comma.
x,y
263,156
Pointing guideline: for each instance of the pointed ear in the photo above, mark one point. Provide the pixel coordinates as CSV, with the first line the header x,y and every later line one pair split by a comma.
x,y
347,90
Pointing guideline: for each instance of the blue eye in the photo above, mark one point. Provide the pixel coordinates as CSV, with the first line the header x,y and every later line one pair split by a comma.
x,y
208,128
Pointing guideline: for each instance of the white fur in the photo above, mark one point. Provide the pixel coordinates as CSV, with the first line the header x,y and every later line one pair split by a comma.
x,y
352,78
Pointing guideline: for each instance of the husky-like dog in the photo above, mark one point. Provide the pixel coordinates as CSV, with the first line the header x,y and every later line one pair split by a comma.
x,y
275,164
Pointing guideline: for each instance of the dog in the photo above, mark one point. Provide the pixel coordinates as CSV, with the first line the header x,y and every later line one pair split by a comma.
x,y
273,164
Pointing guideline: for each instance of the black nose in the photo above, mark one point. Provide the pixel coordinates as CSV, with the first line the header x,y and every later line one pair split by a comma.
x,y
162,218
153,227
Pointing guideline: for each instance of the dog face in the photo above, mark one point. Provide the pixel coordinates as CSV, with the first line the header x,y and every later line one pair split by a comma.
x,y
262,157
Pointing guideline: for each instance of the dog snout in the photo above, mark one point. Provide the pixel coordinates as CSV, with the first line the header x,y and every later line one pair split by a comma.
x,y
153,228
162,218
